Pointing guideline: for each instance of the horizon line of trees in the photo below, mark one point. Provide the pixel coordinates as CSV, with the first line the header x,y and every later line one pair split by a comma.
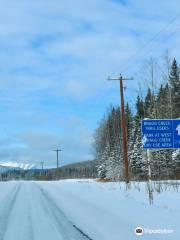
x,y
162,104
65,172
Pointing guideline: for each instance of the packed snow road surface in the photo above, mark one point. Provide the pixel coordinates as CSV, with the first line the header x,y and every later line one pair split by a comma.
x,y
87,210
28,212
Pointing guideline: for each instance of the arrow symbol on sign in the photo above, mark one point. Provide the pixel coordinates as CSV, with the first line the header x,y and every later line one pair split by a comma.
x,y
178,129
144,140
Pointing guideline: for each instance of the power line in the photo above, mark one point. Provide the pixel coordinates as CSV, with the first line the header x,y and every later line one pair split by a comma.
x,y
131,89
138,53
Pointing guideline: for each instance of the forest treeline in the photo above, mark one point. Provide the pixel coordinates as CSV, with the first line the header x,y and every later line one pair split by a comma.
x,y
86,169
162,103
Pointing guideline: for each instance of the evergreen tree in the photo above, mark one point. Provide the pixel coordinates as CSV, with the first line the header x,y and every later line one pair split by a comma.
x,y
163,102
175,89
149,105
136,154
129,122
140,108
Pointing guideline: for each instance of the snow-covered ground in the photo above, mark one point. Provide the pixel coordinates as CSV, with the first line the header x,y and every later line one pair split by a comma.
x,y
86,210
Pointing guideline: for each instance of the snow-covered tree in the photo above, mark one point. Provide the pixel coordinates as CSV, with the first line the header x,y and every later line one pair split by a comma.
x,y
174,79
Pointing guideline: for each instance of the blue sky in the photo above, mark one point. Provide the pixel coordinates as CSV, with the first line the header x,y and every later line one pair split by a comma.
x,y
55,57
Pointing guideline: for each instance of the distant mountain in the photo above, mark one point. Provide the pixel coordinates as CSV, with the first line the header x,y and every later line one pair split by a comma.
x,y
91,163
11,166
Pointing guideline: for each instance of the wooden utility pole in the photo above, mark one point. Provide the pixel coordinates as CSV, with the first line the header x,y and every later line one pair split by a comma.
x,y
123,125
57,151
42,164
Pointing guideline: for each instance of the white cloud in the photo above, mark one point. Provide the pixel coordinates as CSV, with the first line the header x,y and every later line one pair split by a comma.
x,y
56,55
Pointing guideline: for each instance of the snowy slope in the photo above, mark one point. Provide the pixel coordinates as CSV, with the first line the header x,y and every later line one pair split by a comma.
x,y
84,210
24,166
9,166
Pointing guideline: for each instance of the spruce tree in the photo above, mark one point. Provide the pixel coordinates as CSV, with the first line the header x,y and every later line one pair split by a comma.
x,y
149,105
163,104
140,108
175,89
136,154
129,122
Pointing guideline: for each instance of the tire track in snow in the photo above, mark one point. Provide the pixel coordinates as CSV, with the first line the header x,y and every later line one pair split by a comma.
x,y
84,234
6,209
31,235
65,227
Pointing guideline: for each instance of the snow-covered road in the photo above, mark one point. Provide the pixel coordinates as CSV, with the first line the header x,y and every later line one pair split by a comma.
x,y
84,210
28,212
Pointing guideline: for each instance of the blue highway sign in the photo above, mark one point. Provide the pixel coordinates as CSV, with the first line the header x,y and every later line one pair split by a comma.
x,y
158,133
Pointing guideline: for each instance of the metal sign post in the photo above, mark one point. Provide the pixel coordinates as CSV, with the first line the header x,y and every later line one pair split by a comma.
x,y
149,166
150,188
